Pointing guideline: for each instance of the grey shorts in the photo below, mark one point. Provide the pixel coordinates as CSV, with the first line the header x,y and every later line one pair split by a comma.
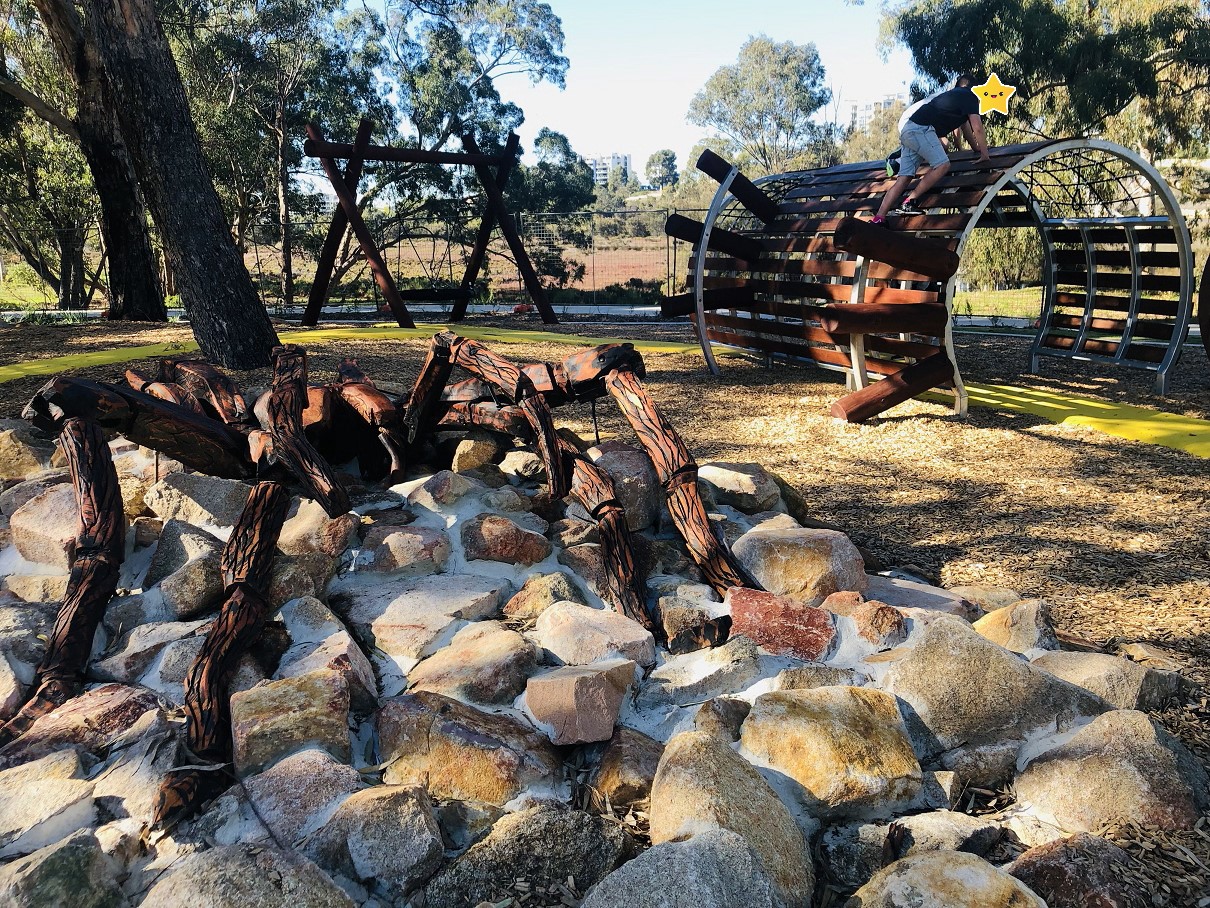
x,y
920,143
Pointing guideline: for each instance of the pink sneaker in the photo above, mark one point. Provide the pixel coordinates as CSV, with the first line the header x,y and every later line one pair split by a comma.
x,y
877,220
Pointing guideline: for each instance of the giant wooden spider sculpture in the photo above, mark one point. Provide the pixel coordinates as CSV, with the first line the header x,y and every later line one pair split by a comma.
x,y
291,434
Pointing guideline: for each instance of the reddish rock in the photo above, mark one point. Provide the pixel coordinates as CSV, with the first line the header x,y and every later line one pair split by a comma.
x,y
843,603
781,625
490,537
587,563
580,703
87,722
1082,871
880,624
410,550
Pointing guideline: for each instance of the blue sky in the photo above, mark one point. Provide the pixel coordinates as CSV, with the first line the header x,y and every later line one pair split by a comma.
x,y
636,64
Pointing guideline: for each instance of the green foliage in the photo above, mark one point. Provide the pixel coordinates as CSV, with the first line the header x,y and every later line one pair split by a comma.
x,y
661,168
1002,258
1076,64
764,104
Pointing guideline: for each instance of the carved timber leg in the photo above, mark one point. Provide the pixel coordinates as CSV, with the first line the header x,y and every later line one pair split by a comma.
x,y
100,547
594,489
376,409
199,443
279,412
206,383
421,411
246,563
164,390
678,473
500,373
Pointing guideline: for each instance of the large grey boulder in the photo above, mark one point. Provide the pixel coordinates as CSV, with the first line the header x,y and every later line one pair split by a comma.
x,y
485,663
806,565
1122,682
578,634
1121,765
961,689
298,794
747,487
44,528
635,482
198,499
543,845
713,869
239,876
698,677
387,833
1023,627
703,784
74,871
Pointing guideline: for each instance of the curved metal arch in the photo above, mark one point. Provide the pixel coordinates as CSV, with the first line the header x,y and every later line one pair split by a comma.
x,y
1175,217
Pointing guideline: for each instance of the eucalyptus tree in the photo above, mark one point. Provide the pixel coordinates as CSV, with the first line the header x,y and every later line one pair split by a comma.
x,y
257,72
72,98
766,105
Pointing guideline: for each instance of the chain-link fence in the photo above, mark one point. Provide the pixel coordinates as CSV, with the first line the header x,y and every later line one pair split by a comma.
x,y
586,258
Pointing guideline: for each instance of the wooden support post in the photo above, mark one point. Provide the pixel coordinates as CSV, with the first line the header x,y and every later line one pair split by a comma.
x,y
385,422
479,251
748,193
906,383
912,253
378,267
495,200
728,241
321,286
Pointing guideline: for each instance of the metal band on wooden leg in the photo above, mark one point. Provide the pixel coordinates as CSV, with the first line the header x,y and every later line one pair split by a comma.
x,y
678,473
99,550
594,489
280,414
247,564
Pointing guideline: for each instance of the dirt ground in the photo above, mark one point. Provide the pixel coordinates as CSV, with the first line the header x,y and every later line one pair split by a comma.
x,y
1111,532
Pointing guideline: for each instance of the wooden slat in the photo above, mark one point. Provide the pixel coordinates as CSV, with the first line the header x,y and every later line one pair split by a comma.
x,y
776,328
875,318
910,381
826,267
893,346
1118,258
1146,235
929,223
837,293
1138,352
877,183
712,298
1111,303
827,355
1148,328
1120,280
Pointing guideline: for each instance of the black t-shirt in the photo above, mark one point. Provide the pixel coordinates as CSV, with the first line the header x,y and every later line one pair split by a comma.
x,y
948,110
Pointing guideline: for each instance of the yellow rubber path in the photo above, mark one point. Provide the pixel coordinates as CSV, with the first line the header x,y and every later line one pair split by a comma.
x,y
1183,433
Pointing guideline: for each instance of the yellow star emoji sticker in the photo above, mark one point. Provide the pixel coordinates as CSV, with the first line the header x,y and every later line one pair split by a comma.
x,y
993,95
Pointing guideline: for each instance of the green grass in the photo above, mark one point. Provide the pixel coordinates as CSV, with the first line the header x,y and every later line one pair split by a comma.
x,y
1025,303
18,296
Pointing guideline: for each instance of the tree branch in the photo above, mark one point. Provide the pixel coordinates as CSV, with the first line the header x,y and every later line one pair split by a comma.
x,y
39,107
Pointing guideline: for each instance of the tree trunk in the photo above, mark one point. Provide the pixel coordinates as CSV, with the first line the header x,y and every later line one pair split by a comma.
x,y
134,290
229,322
283,213
71,267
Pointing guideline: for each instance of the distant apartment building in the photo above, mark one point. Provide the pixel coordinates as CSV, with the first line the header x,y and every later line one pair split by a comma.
x,y
603,164
862,113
